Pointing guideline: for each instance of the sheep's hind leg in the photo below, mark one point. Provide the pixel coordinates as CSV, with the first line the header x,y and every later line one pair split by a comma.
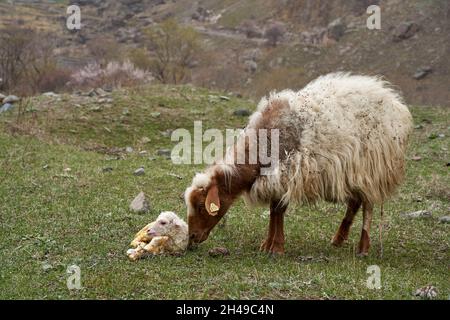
x,y
364,242
274,242
341,235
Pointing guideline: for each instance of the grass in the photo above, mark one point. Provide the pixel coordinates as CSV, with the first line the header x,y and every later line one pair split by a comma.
x,y
51,218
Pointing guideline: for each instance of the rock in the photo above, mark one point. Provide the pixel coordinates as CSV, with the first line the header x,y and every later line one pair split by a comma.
x,y
444,219
428,292
105,100
145,140
251,66
140,204
50,94
418,214
405,31
155,114
175,176
422,72
6,107
441,135
143,152
416,158
100,92
242,113
164,152
46,266
419,126
224,98
126,112
139,172
107,169
167,133
219,252
336,29
129,150
11,99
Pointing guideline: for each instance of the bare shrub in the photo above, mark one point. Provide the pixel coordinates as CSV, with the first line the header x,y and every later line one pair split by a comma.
x,y
251,29
27,61
104,50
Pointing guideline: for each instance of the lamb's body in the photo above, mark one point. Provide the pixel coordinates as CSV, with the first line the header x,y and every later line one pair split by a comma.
x,y
342,138
340,135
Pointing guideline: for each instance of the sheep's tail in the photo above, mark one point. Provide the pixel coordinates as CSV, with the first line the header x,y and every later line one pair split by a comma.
x,y
380,227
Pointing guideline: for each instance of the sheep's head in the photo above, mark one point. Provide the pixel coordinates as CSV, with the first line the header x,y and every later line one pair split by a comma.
x,y
167,224
206,206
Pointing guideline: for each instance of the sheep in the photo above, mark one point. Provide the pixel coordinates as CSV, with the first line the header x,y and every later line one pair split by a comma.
x,y
168,234
342,139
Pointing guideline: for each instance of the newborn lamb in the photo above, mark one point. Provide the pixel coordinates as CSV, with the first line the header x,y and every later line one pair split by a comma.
x,y
168,234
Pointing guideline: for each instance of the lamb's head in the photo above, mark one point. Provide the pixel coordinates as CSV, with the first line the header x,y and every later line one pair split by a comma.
x,y
206,206
167,224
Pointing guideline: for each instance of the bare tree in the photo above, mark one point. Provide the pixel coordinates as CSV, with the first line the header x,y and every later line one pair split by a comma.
x,y
174,48
274,33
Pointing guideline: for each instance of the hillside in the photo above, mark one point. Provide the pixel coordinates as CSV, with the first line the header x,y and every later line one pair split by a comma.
x,y
321,37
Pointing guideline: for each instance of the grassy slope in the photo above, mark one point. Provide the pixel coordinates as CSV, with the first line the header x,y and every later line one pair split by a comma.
x,y
81,217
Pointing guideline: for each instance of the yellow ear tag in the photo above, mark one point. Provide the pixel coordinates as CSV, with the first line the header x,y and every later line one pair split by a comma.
x,y
213,208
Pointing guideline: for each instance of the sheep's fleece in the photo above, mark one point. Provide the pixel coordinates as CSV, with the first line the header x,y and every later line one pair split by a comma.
x,y
168,234
340,134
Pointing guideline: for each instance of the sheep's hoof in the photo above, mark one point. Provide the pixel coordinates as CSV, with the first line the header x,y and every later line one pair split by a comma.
x,y
265,246
277,249
338,240
362,254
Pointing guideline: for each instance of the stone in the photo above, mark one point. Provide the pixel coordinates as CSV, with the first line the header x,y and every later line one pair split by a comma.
x,y
422,73
224,98
416,158
405,31
155,114
107,169
428,292
218,252
50,94
11,99
6,107
164,152
242,113
418,214
129,150
444,219
140,204
139,172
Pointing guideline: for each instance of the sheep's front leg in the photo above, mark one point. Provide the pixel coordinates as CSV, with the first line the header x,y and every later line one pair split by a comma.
x,y
364,242
274,242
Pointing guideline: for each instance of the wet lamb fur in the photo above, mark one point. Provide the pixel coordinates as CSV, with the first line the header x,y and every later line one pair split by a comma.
x,y
342,139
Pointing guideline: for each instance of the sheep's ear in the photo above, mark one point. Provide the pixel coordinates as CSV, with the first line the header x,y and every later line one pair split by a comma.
x,y
212,202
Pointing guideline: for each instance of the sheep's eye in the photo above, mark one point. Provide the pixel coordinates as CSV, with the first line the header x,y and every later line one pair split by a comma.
x,y
163,222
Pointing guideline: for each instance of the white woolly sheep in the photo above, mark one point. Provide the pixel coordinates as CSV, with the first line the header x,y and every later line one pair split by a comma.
x,y
168,234
342,138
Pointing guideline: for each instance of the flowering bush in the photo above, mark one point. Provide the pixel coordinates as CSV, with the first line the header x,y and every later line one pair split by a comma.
x,y
115,74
